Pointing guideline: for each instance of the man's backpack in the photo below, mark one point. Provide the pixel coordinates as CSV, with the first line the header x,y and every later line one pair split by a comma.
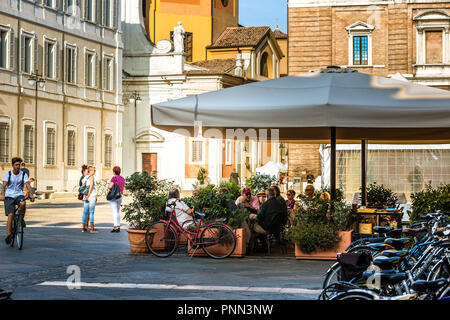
x,y
22,184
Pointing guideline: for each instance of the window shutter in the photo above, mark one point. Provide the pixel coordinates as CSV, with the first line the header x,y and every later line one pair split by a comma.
x,y
99,71
78,10
36,55
12,48
105,66
99,10
22,53
115,13
59,5
74,64
57,60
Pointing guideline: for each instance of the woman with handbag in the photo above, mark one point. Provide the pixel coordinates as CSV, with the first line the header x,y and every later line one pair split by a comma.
x,y
89,198
82,192
116,186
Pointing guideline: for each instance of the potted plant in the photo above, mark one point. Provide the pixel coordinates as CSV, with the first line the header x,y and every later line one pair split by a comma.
x,y
321,228
218,206
261,182
149,199
379,196
202,179
428,200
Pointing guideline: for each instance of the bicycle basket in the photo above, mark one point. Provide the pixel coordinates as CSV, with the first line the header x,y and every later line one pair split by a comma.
x,y
353,265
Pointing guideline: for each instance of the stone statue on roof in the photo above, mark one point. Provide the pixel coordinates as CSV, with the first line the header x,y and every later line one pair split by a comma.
x,y
178,37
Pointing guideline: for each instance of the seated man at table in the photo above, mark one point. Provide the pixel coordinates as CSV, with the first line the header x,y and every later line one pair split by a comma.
x,y
247,201
271,218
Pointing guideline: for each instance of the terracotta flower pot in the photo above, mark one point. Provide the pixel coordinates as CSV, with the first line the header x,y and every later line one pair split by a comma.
x,y
346,239
239,251
137,241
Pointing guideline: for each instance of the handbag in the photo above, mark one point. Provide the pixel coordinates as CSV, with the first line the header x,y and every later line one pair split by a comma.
x,y
84,189
114,193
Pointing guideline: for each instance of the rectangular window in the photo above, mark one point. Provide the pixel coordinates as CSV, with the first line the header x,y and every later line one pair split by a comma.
x,y
228,152
108,13
360,50
4,141
51,146
50,59
433,44
71,64
89,10
49,3
108,72
197,151
69,7
108,150
28,143
27,53
71,147
90,148
90,69
4,49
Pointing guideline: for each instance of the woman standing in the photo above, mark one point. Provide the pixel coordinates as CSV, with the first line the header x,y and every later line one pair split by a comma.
x,y
90,199
84,173
115,203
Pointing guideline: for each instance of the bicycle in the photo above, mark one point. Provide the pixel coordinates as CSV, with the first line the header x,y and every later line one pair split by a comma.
x,y
216,239
17,227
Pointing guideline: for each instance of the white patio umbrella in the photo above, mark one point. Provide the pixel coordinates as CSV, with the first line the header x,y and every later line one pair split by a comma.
x,y
337,105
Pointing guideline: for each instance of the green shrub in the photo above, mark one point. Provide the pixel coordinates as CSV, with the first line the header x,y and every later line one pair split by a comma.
x,y
313,229
212,202
233,188
261,182
380,196
149,198
429,200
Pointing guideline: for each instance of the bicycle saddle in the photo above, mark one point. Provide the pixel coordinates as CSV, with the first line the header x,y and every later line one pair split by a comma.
x,y
379,229
380,246
395,253
397,243
412,232
385,277
386,263
429,286
374,240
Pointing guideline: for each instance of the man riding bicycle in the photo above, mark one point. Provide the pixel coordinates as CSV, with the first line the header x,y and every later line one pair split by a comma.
x,y
12,194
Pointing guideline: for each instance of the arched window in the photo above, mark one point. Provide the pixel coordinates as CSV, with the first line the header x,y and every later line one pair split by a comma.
x,y
263,67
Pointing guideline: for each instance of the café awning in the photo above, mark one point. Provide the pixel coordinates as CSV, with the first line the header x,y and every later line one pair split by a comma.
x,y
304,107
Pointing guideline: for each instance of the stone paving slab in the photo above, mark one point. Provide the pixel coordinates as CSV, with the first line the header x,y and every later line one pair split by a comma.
x,y
54,241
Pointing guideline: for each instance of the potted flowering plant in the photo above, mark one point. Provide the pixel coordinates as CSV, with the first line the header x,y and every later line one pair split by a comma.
x,y
149,198
321,228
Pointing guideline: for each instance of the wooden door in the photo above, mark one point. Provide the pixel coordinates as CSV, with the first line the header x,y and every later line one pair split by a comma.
x,y
150,163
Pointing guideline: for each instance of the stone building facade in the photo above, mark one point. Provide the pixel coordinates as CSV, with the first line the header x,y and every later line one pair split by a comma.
x,y
75,116
404,39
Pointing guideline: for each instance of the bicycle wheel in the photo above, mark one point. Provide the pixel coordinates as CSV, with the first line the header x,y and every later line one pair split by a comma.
x,y
333,275
19,234
357,295
439,270
218,240
161,239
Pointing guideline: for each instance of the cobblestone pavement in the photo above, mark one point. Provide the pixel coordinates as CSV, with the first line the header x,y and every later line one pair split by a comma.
x,y
53,242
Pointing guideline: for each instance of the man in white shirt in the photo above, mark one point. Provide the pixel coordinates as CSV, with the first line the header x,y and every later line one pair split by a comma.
x,y
12,194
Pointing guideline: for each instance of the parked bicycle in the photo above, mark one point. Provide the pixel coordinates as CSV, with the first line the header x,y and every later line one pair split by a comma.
x,y
418,273
216,239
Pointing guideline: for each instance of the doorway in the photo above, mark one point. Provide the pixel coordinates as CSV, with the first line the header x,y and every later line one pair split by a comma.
x,y
150,163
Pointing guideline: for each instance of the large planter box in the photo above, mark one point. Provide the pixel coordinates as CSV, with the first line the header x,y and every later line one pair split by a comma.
x,y
137,241
346,239
239,251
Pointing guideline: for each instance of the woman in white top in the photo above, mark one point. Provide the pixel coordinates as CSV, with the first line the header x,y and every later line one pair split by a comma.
x,y
185,215
90,199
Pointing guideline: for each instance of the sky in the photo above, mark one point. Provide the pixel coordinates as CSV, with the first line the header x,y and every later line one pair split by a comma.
x,y
263,13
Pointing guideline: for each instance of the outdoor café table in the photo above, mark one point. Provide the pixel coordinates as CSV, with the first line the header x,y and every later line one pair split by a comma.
x,y
378,213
